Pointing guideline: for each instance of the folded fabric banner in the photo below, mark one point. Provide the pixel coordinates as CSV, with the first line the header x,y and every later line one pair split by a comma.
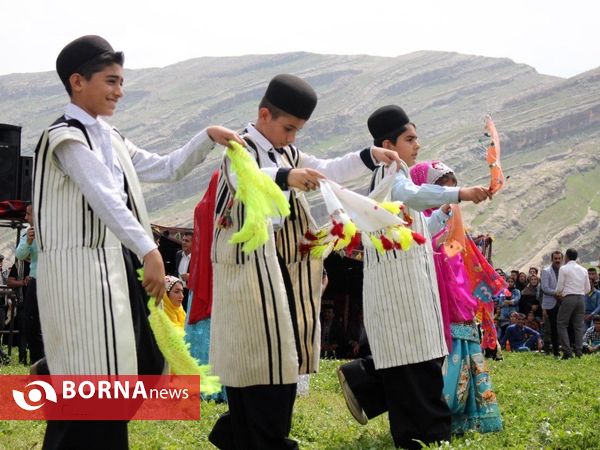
x,y
355,218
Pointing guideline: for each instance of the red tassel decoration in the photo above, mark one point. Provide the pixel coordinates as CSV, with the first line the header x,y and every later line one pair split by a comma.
x,y
418,238
387,244
337,230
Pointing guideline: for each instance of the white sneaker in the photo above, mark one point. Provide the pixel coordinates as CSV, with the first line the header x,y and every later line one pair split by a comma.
x,y
351,401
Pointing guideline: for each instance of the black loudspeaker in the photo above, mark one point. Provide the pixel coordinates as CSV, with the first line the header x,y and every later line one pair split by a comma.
x,y
10,152
25,178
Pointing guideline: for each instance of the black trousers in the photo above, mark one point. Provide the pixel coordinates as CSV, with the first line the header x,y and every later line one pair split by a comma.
x,y
33,329
259,418
112,434
552,316
416,407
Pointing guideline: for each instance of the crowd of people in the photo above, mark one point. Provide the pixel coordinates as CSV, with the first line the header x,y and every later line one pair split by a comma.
x,y
260,325
555,312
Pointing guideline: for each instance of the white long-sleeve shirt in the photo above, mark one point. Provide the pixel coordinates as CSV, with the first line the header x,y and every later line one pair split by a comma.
x,y
101,180
422,197
572,280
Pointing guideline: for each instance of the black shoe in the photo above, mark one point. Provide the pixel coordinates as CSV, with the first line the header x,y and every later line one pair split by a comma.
x,y
566,356
351,401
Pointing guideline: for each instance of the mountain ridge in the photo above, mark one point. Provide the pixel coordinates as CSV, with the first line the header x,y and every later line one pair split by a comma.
x,y
548,125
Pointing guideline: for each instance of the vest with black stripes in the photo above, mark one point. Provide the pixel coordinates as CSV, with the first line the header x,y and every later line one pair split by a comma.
x,y
82,285
261,332
402,311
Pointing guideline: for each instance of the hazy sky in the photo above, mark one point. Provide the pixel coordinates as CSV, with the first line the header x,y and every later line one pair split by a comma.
x,y
556,37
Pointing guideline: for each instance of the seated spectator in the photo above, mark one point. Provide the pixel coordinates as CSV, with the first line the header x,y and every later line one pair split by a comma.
x,y
521,338
332,334
593,274
530,297
355,336
592,298
591,338
18,281
173,299
532,322
3,271
509,303
521,281
505,324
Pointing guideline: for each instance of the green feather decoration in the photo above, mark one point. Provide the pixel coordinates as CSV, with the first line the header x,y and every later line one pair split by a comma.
x,y
259,194
171,342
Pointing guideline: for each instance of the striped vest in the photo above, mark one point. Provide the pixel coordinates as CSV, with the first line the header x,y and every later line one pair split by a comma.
x,y
401,303
82,286
259,333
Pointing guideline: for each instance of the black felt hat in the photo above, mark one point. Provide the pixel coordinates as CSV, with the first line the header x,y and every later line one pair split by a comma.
x,y
292,95
78,52
386,121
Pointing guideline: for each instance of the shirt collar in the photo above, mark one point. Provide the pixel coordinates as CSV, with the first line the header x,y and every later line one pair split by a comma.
x,y
76,112
257,137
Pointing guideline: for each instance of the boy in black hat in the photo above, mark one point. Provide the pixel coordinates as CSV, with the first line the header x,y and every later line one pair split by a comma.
x,y
402,312
93,233
264,324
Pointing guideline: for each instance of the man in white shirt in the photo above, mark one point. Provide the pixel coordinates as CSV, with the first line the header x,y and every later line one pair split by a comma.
x,y
182,264
573,283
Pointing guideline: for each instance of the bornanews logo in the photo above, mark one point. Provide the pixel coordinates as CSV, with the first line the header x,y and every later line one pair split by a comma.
x,y
96,397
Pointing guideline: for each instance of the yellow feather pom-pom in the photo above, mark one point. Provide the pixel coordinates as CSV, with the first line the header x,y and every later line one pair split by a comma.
x,y
406,238
259,194
393,207
171,342
377,243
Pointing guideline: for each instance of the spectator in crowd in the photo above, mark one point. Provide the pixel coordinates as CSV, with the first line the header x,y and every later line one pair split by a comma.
x,y
530,297
332,334
591,338
514,274
504,324
28,250
572,285
521,281
173,299
520,337
501,273
3,271
593,274
533,271
182,264
550,297
592,298
18,280
355,336
509,304
532,322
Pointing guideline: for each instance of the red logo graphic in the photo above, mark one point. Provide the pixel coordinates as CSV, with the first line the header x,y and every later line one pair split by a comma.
x,y
100,397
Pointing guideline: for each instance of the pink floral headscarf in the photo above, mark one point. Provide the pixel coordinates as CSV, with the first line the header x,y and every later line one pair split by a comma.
x,y
428,172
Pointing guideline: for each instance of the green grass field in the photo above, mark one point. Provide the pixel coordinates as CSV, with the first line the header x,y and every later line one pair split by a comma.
x,y
545,403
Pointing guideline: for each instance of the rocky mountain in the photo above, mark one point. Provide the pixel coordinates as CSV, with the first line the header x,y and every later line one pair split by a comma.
x,y
548,127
